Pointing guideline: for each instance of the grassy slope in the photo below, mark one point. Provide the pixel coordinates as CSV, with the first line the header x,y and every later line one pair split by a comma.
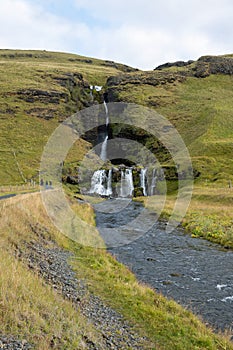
x,y
26,134
44,316
201,110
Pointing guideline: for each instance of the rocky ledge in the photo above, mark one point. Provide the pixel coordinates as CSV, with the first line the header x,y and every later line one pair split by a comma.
x,y
33,95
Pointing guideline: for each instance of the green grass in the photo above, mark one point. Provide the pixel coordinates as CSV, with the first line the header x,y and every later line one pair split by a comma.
x,y
30,309
209,214
201,110
40,316
164,322
22,131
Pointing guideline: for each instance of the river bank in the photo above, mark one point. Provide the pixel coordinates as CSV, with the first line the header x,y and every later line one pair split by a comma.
x,y
194,272
35,310
209,214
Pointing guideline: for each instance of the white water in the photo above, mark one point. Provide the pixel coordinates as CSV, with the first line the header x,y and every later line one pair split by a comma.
x,y
103,153
127,186
97,88
153,182
101,183
106,111
109,183
143,181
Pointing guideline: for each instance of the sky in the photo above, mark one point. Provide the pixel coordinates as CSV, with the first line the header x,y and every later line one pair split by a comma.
x,y
139,33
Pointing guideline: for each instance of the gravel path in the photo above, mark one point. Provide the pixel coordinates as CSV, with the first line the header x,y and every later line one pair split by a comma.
x,y
51,263
11,343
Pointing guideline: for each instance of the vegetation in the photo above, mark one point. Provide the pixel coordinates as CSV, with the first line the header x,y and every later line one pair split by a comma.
x,y
201,110
27,120
39,90
209,214
44,315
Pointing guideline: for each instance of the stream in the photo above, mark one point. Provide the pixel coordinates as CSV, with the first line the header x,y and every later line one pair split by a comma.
x,y
194,272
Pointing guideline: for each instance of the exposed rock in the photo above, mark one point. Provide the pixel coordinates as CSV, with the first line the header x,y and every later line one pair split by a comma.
x,y
71,79
122,67
7,111
73,180
25,55
174,64
148,78
43,113
31,95
207,65
82,60
10,342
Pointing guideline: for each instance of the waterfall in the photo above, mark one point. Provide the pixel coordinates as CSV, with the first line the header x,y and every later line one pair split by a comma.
x,y
143,181
153,182
106,111
127,186
91,93
103,152
109,183
101,183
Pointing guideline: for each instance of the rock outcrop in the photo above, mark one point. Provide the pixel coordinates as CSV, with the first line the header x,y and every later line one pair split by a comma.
x,y
207,65
43,96
174,64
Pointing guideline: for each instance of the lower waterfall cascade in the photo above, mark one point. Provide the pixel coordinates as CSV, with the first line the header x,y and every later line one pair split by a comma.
x,y
153,182
101,183
120,182
127,186
143,180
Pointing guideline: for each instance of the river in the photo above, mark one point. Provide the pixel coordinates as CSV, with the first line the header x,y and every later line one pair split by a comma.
x,y
194,272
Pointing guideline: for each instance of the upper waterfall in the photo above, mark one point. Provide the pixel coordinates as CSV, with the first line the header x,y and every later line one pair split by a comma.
x,y
103,152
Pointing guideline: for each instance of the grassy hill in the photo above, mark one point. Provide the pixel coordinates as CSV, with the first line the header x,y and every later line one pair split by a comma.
x,y
39,90
198,103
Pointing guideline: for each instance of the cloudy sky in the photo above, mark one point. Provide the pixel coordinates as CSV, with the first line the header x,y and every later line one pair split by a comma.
x,y
140,33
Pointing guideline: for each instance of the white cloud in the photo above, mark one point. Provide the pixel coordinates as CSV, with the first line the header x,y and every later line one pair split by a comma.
x,y
139,33
149,32
24,25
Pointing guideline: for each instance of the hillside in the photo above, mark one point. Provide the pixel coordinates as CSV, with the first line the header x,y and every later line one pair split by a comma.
x,y
58,294
40,89
197,97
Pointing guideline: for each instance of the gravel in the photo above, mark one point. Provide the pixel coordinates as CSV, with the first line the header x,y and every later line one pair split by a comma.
x,y
51,263
11,343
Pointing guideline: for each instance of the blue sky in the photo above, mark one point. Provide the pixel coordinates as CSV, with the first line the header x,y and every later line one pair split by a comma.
x,y
140,33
